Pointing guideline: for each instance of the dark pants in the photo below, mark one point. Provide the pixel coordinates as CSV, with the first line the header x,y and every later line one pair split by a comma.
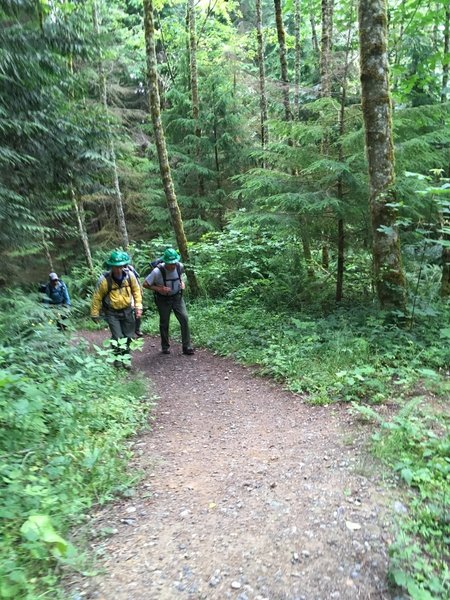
x,y
165,305
121,324
137,324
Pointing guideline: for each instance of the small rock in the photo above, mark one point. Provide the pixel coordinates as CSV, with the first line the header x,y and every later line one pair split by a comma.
x,y
400,508
235,585
214,581
352,526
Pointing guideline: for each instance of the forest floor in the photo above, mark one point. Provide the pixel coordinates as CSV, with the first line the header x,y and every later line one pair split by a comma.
x,y
247,493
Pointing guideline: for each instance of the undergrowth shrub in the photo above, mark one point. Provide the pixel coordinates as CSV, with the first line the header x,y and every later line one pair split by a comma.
x,y
64,417
416,445
352,354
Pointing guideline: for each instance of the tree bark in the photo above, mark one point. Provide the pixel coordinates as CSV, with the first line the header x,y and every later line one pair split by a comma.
x,y
47,251
326,44
160,142
340,182
377,114
262,78
298,57
283,62
304,234
445,65
193,66
445,280
81,222
314,42
104,98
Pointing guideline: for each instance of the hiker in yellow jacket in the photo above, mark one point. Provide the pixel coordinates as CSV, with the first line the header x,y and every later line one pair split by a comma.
x,y
118,296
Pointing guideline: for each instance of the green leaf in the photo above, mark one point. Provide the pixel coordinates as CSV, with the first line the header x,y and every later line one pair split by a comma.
x,y
407,475
40,528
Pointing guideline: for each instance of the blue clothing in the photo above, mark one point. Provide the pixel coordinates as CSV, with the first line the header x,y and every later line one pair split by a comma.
x,y
58,294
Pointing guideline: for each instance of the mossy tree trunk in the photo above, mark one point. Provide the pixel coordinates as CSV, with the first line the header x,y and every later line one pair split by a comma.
x,y
262,78
283,61
118,202
160,142
377,113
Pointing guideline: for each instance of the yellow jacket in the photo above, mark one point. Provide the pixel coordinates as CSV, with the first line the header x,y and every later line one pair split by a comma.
x,y
120,297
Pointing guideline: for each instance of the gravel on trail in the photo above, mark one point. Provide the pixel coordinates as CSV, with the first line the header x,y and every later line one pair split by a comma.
x,y
248,493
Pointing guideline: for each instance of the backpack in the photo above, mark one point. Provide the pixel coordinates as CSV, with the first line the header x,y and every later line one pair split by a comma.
x,y
107,275
157,264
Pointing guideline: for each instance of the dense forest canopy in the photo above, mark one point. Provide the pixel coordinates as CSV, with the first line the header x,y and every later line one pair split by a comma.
x,y
263,118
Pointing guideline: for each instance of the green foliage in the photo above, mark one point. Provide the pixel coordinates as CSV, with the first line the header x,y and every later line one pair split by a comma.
x,y
64,415
416,444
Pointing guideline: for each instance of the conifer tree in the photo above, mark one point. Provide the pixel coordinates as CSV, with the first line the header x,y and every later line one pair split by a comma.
x,y
160,142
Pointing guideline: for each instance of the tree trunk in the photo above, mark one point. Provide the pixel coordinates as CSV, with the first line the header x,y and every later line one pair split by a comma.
x,y
445,65
160,142
304,228
81,221
283,61
47,251
193,77
445,280
325,257
104,98
340,182
298,51
326,44
376,106
314,42
262,78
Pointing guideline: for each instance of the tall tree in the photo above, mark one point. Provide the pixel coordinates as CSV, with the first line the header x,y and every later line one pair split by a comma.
x,y
341,158
446,56
326,45
160,142
118,202
298,51
193,79
262,77
445,280
377,114
283,60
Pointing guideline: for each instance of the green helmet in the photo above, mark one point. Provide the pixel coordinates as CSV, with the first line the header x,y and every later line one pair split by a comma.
x,y
170,256
117,258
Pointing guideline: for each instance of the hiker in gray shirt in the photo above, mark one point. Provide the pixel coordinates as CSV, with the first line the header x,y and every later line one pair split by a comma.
x,y
166,281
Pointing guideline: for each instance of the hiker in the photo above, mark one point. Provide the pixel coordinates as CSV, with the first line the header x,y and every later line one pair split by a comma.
x,y
56,291
138,320
166,281
57,295
118,295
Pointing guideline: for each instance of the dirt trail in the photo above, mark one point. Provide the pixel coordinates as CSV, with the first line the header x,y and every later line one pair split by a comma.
x,y
248,494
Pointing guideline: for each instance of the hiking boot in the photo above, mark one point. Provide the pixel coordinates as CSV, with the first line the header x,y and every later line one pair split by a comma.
x,y
165,350
139,334
188,351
